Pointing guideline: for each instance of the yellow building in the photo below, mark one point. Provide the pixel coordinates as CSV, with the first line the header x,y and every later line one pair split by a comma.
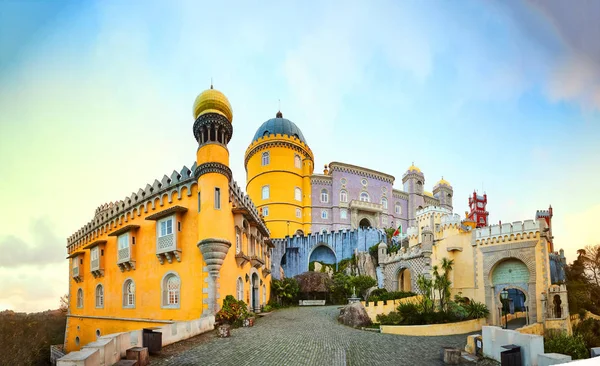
x,y
279,165
163,255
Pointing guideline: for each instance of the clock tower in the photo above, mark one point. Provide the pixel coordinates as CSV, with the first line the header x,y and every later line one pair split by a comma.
x,y
478,213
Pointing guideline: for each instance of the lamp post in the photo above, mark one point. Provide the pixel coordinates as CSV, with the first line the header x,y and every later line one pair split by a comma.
x,y
504,297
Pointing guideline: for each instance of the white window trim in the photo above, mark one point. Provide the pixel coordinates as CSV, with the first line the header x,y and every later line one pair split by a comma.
x,y
343,196
218,198
324,196
101,306
345,214
239,289
166,219
398,209
298,196
126,304
360,197
266,189
297,161
77,302
265,211
324,215
164,295
384,203
298,213
266,155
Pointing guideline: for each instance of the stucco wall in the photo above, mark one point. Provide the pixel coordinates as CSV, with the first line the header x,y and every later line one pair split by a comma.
x,y
468,326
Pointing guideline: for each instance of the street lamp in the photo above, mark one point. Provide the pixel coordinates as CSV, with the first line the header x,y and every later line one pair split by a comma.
x,y
504,297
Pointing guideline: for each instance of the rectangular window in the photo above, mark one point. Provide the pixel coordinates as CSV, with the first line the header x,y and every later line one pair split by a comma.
x,y
217,198
265,211
199,205
266,159
166,227
266,192
298,213
94,253
343,214
124,241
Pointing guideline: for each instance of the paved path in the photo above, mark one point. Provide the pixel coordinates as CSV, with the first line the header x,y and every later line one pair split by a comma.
x,y
309,336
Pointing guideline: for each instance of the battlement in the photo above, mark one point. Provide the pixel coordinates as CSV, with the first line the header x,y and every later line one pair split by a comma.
x,y
240,199
519,229
403,254
396,193
432,209
412,231
451,219
108,213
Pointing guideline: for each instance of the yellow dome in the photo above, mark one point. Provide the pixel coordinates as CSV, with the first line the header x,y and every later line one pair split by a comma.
x,y
428,193
413,168
443,181
212,101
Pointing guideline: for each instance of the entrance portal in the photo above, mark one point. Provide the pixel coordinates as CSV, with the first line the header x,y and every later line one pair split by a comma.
x,y
511,277
322,253
255,296
364,223
404,283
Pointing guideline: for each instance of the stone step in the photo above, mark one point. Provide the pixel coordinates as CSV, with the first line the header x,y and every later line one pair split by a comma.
x,y
126,363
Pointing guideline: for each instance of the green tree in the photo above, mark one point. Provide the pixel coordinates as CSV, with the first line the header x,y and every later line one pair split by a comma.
x,y
285,290
363,284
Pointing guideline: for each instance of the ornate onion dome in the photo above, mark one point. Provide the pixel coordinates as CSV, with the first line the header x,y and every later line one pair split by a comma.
x,y
281,126
443,182
212,101
413,168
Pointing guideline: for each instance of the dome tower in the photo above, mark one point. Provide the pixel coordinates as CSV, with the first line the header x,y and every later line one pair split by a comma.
x,y
443,191
278,165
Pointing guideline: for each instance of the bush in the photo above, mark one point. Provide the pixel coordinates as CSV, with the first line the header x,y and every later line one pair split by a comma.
x,y
393,318
362,284
383,295
233,312
573,346
411,313
286,291
589,330
476,310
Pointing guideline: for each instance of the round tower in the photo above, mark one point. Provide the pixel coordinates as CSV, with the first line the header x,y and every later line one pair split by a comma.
x,y
443,192
278,165
213,131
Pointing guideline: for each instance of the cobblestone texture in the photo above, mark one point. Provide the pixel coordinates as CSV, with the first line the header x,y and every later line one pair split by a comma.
x,y
309,336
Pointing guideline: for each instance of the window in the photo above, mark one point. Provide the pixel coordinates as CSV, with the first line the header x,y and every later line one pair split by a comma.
x,y
266,192
398,208
364,182
384,203
266,159
171,288
343,196
324,196
297,161
166,227
298,194
129,294
482,220
80,298
124,241
324,214
384,220
343,181
199,202
99,296
94,261
298,213
265,211
123,253
343,214
364,196
238,241
239,289
217,198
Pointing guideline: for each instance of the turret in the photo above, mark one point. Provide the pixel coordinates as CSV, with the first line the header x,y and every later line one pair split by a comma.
x,y
443,192
413,181
213,131
478,213
278,165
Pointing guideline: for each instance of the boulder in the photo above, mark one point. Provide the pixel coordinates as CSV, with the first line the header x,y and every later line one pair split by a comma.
x,y
365,264
354,315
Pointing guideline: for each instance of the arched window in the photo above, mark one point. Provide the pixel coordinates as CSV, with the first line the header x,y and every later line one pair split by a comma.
x,y
297,161
298,213
264,294
171,289
398,208
265,211
80,298
238,240
239,289
99,296
266,192
129,294
324,215
343,196
364,196
324,196
384,203
266,158
298,194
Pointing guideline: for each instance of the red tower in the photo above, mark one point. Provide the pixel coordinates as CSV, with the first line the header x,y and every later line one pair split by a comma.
x,y
478,213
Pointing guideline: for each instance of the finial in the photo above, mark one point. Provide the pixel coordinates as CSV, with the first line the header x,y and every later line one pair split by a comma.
x,y
211,82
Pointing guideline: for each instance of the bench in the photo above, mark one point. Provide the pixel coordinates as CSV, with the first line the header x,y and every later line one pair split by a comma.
x,y
311,302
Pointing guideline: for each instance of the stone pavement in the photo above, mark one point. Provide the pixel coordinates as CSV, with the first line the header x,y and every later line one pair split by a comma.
x,y
309,336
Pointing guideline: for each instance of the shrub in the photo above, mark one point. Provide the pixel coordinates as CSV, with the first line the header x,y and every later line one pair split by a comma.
x,y
362,284
393,318
233,311
457,311
573,346
476,310
286,290
411,313
378,295
589,330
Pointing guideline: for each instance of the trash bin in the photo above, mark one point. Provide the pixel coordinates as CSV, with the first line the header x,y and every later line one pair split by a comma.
x,y
512,355
152,340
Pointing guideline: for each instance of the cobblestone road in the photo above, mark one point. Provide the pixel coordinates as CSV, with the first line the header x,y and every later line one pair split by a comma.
x,y
310,336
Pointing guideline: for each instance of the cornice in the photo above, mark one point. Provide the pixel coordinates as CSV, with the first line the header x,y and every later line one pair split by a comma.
x,y
364,172
277,141
213,167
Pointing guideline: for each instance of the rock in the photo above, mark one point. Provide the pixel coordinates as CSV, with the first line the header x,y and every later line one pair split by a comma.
x,y
451,356
365,265
354,315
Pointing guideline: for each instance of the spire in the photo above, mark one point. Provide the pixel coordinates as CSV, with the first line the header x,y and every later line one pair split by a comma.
x,y
211,82
279,114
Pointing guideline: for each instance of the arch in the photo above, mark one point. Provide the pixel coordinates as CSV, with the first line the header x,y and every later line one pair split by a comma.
x,y
364,196
297,161
322,253
129,293
170,286
254,289
297,194
384,203
324,195
299,232
404,279
239,288
79,298
364,223
99,296
343,195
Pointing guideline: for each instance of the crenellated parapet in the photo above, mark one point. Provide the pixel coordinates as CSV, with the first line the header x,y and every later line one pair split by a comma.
x,y
278,140
403,254
517,230
433,209
412,232
241,200
451,220
110,215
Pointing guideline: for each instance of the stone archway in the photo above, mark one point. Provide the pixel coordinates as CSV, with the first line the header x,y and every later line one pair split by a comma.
x,y
403,279
364,223
322,253
510,274
254,288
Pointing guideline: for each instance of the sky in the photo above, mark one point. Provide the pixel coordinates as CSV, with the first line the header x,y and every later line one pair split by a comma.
x,y
96,101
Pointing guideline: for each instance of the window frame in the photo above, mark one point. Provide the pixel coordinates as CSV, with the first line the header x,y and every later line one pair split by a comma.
x,y
217,198
265,158
324,215
298,212
297,161
343,196
79,299
265,211
298,194
165,220
345,214
384,203
267,189
128,297
166,294
99,296
398,208
239,289
324,196
366,194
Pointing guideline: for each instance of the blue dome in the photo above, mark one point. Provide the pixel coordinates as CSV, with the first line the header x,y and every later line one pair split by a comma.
x,y
279,125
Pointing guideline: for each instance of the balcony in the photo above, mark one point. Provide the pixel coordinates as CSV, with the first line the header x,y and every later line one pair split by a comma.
x,y
125,260
256,261
96,268
366,206
77,276
241,258
166,249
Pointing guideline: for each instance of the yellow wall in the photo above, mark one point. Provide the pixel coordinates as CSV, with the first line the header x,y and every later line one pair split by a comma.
x,y
468,326
380,308
282,177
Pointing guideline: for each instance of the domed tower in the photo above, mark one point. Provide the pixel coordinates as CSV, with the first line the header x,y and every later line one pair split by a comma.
x,y
413,181
278,165
213,130
443,192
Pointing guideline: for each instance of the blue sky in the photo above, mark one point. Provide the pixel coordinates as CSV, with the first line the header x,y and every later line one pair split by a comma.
x,y
495,96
